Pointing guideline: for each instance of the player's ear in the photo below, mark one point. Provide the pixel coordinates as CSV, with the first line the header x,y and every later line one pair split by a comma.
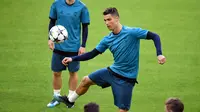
x,y
117,18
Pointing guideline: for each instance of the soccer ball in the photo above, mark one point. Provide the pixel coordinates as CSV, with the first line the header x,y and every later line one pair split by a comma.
x,y
58,33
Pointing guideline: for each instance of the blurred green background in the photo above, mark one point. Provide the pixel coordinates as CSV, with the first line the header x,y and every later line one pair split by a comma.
x,y
26,78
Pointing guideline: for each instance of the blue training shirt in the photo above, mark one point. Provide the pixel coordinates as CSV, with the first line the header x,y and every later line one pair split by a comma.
x,y
71,17
125,49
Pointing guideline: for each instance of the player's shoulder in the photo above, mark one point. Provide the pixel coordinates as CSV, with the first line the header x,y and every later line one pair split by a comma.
x,y
56,2
81,3
127,29
107,37
131,28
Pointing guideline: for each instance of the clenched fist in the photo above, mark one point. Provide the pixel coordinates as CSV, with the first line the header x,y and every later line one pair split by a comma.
x,y
161,59
66,60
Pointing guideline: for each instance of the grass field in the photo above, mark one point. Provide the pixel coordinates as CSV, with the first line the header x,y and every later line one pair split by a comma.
x,y
25,75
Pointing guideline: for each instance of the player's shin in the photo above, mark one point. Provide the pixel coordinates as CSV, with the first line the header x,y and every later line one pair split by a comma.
x,y
73,97
82,89
79,91
73,81
57,81
70,93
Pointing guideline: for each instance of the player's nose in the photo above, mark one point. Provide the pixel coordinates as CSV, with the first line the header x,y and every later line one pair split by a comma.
x,y
106,22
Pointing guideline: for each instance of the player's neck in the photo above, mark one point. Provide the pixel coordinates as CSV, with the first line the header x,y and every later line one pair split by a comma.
x,y
117,29
70,2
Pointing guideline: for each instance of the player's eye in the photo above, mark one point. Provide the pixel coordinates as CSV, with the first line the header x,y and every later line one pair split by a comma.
x,y
109,19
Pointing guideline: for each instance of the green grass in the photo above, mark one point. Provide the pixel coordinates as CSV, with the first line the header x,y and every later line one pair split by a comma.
x,y
25,82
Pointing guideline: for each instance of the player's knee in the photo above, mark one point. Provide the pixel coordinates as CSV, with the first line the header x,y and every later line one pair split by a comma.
x,y
73,74
121,110
86,81
57,74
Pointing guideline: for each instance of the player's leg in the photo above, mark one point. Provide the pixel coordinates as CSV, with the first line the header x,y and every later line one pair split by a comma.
x,y
122,92
57,67
73,68
99,77
83,87
121,110
57,82
73,82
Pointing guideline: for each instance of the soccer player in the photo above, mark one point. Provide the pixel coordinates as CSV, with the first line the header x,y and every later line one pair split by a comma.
x,y
91,107
174,105
124,43
70,14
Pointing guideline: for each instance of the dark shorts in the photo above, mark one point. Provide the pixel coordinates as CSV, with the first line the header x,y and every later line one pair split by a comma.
x,y
121,87
56,62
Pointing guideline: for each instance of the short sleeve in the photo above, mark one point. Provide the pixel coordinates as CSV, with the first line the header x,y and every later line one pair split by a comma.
x,y
139,33
102,46
85,17
53,13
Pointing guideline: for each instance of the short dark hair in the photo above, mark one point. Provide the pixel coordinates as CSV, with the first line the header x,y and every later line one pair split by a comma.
x,y
174,104
91,107
111,10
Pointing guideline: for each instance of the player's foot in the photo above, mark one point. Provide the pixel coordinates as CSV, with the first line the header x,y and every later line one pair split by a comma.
x,y
65,100
53,103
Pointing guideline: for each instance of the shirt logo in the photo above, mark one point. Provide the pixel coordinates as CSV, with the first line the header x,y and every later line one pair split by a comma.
x,y
61,12
75,14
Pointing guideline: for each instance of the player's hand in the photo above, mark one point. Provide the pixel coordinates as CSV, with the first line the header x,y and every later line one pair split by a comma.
x,y
81,50
51,44
161,59
66,60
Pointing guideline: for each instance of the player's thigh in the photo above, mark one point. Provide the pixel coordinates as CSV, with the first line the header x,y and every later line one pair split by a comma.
x,y
122,92
74,66
101,77
56,63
